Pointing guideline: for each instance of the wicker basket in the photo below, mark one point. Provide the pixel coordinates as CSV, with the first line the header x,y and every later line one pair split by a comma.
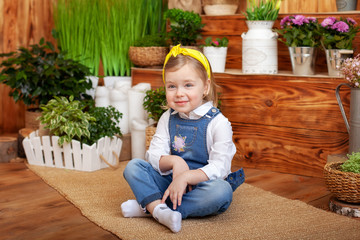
x,y
149,133
344,185
148,56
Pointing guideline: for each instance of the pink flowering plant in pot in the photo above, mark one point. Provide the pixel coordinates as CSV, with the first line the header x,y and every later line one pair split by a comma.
x,y
299,31
216,52
338,34
219,42
351,71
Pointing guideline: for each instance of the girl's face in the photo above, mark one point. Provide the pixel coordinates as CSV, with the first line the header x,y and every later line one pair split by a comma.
x,y
185,89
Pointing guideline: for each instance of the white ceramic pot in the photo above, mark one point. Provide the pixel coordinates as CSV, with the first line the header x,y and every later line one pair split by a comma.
x,y
216,57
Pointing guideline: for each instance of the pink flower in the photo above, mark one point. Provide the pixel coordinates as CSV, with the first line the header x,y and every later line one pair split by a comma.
x,y
350,20
340,26
329,21
216,43
299,20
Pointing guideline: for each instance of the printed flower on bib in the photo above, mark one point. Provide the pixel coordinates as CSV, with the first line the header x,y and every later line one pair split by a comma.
x,y
179,143
338,34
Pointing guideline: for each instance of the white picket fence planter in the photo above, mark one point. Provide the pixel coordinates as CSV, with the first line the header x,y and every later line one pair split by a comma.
x,y
45,151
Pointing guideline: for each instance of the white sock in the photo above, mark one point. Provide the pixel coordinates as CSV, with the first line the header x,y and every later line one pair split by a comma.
x,y
131,208
164,215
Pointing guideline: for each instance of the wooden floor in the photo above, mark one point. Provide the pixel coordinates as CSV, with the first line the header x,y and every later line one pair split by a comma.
x,y
30,209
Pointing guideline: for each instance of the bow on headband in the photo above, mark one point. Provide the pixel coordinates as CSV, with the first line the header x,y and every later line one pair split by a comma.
x,y
188,52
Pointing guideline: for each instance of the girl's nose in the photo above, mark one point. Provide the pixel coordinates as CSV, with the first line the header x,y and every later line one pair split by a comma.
x,y
179,92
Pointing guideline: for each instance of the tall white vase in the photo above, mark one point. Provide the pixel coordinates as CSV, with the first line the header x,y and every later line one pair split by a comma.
x,y
259,48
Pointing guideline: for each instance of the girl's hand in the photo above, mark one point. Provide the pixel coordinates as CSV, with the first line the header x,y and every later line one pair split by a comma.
x,y
176,190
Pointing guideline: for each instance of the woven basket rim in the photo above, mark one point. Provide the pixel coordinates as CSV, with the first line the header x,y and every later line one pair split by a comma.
x,y
333,167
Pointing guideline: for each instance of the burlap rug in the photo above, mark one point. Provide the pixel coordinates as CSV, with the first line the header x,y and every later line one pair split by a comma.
x,y
254,213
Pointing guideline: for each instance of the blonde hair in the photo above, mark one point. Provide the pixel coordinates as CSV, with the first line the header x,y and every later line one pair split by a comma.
x,y
175,63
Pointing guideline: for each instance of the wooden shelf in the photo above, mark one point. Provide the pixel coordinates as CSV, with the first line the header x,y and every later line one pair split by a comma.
x,y
281,122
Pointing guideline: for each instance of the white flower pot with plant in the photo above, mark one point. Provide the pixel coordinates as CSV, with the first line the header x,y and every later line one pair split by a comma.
x,y
302,37
80,140
337,38
216,52
259,45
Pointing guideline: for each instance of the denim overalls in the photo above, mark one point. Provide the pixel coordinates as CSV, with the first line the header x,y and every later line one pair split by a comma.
x,y
188,140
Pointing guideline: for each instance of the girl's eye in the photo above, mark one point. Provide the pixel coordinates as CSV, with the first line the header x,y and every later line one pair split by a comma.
x,y
189,85
171,86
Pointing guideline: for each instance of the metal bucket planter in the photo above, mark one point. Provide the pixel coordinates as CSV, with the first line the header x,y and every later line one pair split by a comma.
x,y
346,5
334,60
303,60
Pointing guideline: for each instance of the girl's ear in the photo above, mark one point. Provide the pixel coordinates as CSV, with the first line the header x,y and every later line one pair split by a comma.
x,y
207,87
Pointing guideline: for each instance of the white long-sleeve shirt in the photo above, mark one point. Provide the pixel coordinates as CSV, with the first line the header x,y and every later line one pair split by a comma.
x,y
220,146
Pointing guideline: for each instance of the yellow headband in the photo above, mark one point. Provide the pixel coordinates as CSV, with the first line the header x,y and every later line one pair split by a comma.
x,y
188,52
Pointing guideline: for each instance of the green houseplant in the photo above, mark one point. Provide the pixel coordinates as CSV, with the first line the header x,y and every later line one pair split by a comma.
x,y
71,119
155,104
37,74
149,50
185,27
65,118
262,10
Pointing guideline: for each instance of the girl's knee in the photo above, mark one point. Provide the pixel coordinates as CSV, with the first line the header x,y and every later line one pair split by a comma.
x,y
219,189
133,167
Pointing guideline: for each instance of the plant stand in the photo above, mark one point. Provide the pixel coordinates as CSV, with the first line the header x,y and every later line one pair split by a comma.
x,y
344,208
45,151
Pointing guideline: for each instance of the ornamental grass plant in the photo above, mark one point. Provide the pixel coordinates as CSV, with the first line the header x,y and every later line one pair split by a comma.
x,y
76,31
91,30
299,31
262,10
338,34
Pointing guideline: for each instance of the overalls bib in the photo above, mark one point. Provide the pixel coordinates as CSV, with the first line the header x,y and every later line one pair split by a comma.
x,y
188,141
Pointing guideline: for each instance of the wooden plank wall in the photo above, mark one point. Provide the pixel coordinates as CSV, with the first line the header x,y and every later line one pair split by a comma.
x,y
22,23
282,123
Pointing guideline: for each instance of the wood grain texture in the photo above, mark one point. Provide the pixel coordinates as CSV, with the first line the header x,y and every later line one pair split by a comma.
x,y
280,122
22,23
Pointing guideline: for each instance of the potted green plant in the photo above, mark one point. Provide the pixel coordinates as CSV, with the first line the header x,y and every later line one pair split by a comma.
x,y
301,35
155,105
343,178
149,50
259,49
37,74
185,27
82,136
216,51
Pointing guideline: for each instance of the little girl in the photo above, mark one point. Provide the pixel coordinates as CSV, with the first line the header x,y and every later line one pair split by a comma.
x,y
188,167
